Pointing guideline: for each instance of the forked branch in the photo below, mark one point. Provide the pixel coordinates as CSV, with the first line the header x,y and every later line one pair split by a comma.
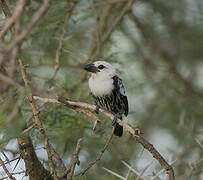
x,y
133,132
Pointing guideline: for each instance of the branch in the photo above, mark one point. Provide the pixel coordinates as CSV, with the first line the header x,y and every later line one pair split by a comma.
x,y
98,157
9,22
134,133
6,170
35,111
105,30
16,173
167,57
75,159
21,36
105,36
118,20
34,168
114,174
62,37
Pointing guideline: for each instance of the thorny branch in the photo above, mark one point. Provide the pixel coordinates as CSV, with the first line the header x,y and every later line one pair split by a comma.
x,y
134,133
62,37
19,39
90,114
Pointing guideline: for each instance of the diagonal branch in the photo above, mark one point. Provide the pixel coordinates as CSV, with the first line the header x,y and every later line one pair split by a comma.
x,y
13,18
98,157
21,36
133,132
75,159
6,170
62,37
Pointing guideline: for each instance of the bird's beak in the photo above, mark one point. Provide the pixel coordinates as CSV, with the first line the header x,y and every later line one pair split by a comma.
x,y
91,68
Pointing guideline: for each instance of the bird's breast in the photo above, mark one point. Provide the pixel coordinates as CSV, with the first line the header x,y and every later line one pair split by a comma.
x,y
101,86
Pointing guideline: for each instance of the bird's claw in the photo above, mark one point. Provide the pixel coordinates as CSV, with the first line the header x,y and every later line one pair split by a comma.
x,y
97,110
114,120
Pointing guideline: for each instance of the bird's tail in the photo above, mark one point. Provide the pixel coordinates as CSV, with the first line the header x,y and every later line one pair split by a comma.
x,y
118,131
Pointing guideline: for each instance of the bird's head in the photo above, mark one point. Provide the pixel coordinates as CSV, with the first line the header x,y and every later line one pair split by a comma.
x,y
100,68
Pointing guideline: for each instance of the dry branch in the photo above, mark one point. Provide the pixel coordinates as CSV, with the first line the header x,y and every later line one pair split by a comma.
x,y
114,174
134,133
9,22
6,170
99,156
19,39
75,159
16,173
21,36
104,32
62,37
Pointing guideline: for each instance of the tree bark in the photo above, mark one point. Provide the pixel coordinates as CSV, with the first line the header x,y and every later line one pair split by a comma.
x,y
34,168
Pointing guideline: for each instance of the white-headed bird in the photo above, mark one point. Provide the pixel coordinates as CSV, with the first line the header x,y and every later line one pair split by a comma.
x,y
108,91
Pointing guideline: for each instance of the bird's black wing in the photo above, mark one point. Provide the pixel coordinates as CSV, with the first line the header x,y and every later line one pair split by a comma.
x,y
118,85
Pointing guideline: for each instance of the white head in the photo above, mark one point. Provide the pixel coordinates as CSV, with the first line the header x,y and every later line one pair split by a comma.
x,y
100,82
100,68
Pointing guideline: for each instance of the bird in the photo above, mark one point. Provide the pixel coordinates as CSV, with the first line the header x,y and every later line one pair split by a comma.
x,y
108,91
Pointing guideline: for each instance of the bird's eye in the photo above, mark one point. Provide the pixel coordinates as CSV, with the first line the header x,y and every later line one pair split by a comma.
x,y
101,67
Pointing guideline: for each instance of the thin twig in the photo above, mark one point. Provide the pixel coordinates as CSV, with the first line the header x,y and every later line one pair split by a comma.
x,y
10,81
133,170
90,114
194,167
100,4
99,156
198,142
29,128
21,172
161,171
143,171
126,8
11,161
16,31
6,170
5,156
75,159
113,173
9,21
58,158
62,37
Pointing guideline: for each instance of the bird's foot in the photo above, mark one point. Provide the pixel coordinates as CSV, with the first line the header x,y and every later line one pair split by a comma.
x,y
97,109
114,120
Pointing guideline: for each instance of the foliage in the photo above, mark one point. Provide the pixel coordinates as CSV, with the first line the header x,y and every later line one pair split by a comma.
x,y
157,50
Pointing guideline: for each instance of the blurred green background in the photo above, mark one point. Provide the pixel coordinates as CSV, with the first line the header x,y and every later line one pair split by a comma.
x,y
157,49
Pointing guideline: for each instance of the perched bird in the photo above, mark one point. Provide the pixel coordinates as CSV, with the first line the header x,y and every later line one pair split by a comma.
x,y
108,91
